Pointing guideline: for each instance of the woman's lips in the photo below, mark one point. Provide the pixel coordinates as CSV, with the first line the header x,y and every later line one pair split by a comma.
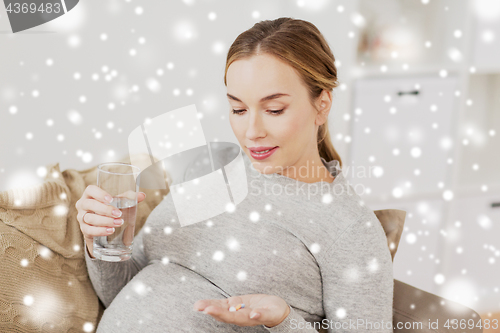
x,y
263,156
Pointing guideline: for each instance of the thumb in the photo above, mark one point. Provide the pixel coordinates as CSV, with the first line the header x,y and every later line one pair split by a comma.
x,y
260,314
141,196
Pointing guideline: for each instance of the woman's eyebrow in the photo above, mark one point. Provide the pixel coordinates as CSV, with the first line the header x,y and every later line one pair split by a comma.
x,y
267,98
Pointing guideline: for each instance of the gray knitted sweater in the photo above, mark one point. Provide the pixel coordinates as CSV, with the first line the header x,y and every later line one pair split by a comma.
x,y
316,245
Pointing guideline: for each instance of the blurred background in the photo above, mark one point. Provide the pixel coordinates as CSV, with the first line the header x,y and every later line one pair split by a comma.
x,y
418,106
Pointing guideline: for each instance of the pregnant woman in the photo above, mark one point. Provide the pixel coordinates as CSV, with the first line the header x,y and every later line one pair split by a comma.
x,y
301,253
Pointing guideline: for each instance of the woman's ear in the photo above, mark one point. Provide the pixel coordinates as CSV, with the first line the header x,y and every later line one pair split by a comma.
x,y
324,104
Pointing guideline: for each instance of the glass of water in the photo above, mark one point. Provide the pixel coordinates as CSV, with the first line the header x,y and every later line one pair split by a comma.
x,y
119,180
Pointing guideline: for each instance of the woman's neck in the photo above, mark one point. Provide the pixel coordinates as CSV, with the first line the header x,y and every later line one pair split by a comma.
x,y
310,172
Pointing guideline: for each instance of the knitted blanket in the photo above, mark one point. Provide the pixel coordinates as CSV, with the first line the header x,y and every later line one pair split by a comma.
x,y
44,280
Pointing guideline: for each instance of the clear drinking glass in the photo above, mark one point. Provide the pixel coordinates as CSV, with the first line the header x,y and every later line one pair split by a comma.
x,y
119,180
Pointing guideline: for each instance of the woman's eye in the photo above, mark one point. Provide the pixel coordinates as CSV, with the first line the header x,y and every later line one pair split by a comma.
x,y
274,112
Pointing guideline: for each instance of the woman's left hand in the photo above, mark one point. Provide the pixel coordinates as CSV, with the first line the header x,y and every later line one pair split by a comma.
x,y
269,310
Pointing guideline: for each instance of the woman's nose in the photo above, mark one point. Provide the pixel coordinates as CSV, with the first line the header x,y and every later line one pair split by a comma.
x,y
255,126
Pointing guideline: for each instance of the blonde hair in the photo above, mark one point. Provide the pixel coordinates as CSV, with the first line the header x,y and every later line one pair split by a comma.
x,y
301,45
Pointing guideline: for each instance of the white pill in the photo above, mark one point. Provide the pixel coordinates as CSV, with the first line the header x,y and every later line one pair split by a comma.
x,y
232,309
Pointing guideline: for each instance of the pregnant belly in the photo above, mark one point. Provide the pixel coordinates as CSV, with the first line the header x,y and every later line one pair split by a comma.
x,y
160,298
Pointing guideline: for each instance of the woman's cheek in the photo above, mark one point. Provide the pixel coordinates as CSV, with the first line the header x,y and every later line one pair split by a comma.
x,y
241,132
290,126
235,125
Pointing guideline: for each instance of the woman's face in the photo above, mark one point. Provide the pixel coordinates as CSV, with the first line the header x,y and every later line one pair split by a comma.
x,y
252,85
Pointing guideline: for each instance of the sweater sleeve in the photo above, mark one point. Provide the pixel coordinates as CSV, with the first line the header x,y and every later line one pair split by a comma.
x,y
294,322
108,278
358,282
357,277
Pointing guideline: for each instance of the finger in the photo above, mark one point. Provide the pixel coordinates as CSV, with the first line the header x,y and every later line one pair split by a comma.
x,y
91,231
199,305
256,314
102,221
234,300
141,196
99,208
128,235
202,304
222,314
95,192
131,195
213,310
262,315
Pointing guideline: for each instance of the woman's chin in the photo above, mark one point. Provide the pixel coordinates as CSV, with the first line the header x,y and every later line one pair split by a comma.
x,y
265,168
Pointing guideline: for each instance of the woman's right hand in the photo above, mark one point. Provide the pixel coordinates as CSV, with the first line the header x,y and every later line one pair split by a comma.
x,y
95,214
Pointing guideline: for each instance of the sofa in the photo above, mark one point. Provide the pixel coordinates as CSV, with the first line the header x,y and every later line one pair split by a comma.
x,y
44,282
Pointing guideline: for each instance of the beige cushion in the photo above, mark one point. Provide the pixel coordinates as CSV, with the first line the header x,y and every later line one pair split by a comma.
x,y
392,221
42,258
